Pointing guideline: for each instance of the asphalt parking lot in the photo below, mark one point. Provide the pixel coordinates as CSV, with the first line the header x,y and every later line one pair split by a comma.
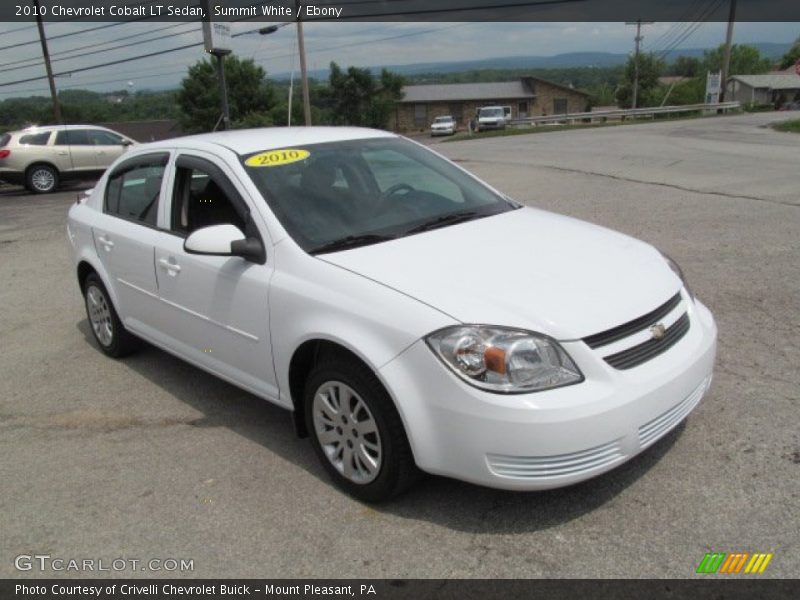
x,y
151,458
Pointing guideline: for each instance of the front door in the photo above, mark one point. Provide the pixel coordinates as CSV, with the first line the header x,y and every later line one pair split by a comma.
x,y
108,147
214,309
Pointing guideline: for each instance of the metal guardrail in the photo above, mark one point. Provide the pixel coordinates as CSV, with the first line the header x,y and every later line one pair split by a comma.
x,y
625,113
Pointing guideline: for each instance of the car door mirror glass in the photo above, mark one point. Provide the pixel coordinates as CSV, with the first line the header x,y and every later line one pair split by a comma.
x,y
216,240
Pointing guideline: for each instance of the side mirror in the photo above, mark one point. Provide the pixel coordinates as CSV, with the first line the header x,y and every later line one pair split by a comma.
x,y
224,240
126,143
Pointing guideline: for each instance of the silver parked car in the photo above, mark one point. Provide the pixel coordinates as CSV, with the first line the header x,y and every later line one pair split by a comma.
x,y
445,125
41,157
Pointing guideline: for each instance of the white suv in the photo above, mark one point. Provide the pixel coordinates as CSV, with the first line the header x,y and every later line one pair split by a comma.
x,y
41,157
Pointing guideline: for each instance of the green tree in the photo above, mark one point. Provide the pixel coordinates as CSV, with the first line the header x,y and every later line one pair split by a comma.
x,y
792,56
650,69
249,94
356,97
745,60
686,66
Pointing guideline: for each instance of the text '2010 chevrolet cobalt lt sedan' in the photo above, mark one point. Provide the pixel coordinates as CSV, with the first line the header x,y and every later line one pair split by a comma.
x,y
409,314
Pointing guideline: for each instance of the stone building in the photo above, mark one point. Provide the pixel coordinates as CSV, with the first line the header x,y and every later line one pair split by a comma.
x,y
526,97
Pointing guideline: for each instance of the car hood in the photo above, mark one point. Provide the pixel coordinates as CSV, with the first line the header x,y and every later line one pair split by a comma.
x,y
525,268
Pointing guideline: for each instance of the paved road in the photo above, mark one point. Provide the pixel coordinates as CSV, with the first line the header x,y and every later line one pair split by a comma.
x,y
151,458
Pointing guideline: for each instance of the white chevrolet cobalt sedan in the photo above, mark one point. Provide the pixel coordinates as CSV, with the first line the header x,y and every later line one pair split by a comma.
x,y
411,316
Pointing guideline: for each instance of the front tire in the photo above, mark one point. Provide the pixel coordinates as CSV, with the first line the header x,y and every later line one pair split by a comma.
x,y
109,332
356,431
41,179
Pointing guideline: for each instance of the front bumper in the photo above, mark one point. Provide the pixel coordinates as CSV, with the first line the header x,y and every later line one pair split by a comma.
x,y
554,438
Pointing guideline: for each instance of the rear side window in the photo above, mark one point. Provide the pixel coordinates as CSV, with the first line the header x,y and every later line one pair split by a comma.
x,y
35,139
73,137
4,139
134,189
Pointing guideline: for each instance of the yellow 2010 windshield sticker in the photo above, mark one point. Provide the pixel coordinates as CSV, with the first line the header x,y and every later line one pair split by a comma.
x,y
276,158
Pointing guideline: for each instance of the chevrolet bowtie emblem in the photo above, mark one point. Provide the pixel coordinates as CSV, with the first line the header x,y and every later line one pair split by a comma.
x,y
658,331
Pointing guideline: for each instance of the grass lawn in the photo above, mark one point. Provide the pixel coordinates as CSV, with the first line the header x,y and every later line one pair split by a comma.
x,y
792,126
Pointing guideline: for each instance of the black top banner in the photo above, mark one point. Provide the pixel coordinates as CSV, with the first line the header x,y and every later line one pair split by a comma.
x,y
399,10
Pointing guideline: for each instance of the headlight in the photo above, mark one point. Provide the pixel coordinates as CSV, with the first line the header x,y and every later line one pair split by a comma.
x,y
679,272
499,359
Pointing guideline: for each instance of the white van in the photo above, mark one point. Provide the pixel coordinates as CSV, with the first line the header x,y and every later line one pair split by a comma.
x,y
491,117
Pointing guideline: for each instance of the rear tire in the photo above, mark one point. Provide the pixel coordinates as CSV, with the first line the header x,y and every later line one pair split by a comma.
x,y
356,431
41,179
109,332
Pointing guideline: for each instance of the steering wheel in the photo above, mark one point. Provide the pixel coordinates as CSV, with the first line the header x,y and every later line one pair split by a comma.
x,y
397,187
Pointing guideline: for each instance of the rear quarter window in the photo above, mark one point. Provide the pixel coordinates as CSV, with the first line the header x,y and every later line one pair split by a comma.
x,y
4,139
35,139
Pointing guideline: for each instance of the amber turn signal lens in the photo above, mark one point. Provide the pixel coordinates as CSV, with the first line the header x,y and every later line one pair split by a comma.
x,y
495,359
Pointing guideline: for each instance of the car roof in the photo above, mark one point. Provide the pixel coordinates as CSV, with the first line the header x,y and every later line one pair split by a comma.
x,y
43,128
246,141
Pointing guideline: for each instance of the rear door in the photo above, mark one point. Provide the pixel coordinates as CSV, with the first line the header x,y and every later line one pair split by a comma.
x,y
215,309
74,151
125,235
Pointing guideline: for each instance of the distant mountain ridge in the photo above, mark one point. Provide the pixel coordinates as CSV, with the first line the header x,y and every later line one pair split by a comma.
x,y
558,61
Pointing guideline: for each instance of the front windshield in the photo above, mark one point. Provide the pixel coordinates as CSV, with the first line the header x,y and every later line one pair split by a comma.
x,y
366,191
442,119
491,112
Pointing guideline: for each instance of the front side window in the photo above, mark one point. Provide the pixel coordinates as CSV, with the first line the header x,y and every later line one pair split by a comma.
x,y
133,191
366,191
99,137
35,139
200,201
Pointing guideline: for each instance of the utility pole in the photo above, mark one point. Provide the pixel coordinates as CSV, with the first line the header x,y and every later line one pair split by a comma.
x,y
301,48
726,59
48,68
638,39
223,90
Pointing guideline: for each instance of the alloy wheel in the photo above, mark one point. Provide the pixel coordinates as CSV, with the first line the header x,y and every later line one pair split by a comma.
x,y
347,432
100,315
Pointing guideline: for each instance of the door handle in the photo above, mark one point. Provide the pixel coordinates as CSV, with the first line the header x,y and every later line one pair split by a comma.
x,y
106,242
62,153
169,266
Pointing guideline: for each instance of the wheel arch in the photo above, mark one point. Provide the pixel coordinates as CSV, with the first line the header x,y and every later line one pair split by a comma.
x,y
305,356
86,266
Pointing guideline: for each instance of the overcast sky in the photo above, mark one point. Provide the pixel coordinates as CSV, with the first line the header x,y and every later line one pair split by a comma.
x,y
361,44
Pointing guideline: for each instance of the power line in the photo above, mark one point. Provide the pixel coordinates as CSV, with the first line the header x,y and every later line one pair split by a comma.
x,y
71,33
712,6
39,62
193,45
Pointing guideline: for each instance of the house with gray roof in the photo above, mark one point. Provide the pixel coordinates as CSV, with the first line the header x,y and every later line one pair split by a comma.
x,y
771,88
526,97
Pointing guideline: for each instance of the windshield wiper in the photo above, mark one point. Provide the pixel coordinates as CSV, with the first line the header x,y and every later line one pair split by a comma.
x,y
443,221
351,241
